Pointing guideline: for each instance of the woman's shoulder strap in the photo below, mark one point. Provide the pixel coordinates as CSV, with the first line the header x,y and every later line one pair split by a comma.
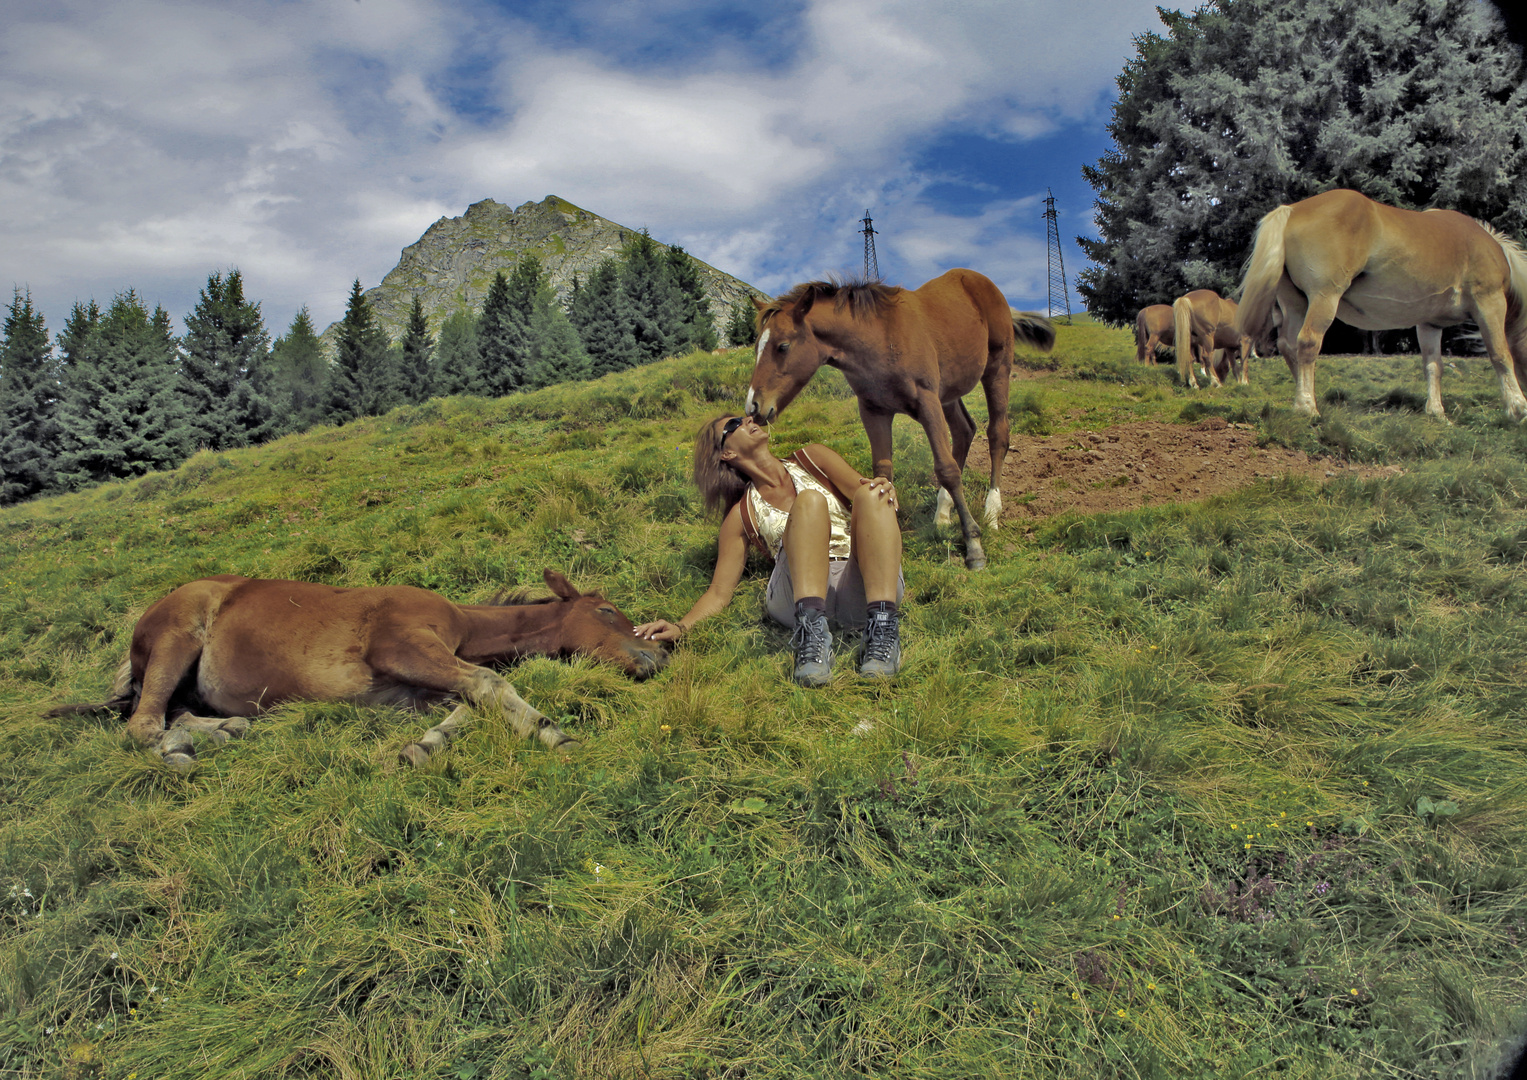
x,y
749,525
802,458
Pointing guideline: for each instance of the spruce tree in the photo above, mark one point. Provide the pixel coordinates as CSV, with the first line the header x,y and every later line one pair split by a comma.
x,y
224,364
601,315
30,434
556,353
656,304
363,380
503,334
123,412
698,326
742,327
416,347
1247,104
457,367
299,373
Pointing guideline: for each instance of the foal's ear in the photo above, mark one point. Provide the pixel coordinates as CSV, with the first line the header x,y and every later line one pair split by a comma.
x,y
560,585
759,303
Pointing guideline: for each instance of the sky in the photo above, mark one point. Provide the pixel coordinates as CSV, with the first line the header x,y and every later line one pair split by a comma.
x,y
147,144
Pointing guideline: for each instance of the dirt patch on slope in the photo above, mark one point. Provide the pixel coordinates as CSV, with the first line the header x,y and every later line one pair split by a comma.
x,y
1142,464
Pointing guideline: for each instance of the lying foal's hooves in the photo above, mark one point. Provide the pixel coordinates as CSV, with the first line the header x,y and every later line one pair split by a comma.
x,y
236,727
413,754
177,752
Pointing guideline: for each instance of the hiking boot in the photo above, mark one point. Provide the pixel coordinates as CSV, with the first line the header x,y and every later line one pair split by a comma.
x,y
882,646
813,649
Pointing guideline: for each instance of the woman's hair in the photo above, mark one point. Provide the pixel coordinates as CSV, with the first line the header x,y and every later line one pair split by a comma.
x,y
720,484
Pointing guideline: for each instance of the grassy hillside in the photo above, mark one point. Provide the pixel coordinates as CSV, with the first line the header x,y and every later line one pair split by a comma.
x,y
1226,789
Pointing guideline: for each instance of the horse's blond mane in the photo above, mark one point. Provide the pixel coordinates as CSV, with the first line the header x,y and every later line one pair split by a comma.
x,y
860,297
519,598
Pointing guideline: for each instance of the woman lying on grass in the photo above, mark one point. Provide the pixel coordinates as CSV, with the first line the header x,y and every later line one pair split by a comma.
x,y
832,534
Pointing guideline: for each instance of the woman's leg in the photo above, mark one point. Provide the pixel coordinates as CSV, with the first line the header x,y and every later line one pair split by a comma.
x,y
806,537
877,544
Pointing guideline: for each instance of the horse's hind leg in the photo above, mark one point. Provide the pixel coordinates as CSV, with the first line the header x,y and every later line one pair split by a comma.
x,y
1430,340
962,431
1491,316
931,415
996,380
171,656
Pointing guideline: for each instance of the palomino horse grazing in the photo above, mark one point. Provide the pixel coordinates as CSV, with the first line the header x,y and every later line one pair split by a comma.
x,y
1377,267
1154,330
232,646
913,351
1205,330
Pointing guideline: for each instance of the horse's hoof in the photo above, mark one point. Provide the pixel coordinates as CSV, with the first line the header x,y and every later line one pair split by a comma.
x,y
413,754
235,728
568,744
975,558
181,761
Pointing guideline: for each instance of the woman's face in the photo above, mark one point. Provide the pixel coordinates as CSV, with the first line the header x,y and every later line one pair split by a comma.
x,y
739,431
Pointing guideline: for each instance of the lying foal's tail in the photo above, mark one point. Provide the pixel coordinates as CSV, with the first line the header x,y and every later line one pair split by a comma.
x,y
124,697
1264,269
1034,330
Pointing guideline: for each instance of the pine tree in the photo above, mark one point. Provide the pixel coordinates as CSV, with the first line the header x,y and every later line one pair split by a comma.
x,y
457,367
30,434
123,412
363,380
1247,104
503,334
299,373
742,327
414,365
656,304
698,324
556,353
601,315
224,364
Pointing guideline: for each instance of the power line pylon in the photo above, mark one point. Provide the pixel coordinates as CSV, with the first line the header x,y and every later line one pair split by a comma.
x,y
871,264
1056,266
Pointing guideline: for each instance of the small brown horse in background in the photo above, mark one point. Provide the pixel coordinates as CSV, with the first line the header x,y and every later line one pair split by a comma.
x,y
1377,267
1154,330
231,647
914,351
1205,324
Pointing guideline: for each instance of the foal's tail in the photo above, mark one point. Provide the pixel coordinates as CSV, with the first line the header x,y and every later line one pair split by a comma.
x,y
1182,328
1033,329
124,697
1263,271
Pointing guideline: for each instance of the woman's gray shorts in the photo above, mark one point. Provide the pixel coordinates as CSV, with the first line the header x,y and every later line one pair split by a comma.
x,y
846,604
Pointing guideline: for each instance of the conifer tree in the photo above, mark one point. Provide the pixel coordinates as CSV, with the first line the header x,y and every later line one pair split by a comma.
x,y
224,365
30,434
698,325
656,304
556,353
456,366
1247,104
742,327
601,315
416,347
363,380
299,373
503,334
123,411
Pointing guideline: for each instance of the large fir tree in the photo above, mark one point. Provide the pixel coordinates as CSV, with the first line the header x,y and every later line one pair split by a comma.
x,y
225,364
416,348
123,412
556,353
299,373
601,314
698,325
657,306
30,435
1247,104
503,334
363,380
457,366
742,326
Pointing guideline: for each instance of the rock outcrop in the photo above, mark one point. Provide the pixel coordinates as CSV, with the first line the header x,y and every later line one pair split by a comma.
x,y
451,266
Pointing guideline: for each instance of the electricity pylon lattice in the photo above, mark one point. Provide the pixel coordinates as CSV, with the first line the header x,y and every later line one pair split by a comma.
x,y
1057,268
871,264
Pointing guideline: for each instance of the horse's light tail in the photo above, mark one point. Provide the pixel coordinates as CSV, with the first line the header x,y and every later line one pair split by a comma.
x,y
1182,327
1516,303
1264,269
1033,329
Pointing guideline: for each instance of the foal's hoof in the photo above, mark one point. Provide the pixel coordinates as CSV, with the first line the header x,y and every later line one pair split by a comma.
x,y
975,557
235,727
177,752
413,754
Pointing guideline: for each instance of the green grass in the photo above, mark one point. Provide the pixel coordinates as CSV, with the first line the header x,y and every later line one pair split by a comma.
x,y
1221,789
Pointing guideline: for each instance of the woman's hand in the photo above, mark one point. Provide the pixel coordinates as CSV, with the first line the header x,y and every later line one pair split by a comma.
x,y
659,630
882,487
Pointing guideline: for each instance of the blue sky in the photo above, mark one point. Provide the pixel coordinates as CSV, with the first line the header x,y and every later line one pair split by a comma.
x,y
149,143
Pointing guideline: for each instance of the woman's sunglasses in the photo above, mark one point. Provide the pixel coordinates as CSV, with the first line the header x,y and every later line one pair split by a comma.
x,y
730,426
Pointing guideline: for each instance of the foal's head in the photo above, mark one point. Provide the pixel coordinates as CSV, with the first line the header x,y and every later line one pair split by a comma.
x,y
593,626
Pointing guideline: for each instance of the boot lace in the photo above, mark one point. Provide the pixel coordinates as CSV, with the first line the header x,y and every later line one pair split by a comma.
x,y
880,641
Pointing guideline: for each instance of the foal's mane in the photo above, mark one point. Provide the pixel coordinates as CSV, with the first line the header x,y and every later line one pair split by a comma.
x,y
519,598
860,297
